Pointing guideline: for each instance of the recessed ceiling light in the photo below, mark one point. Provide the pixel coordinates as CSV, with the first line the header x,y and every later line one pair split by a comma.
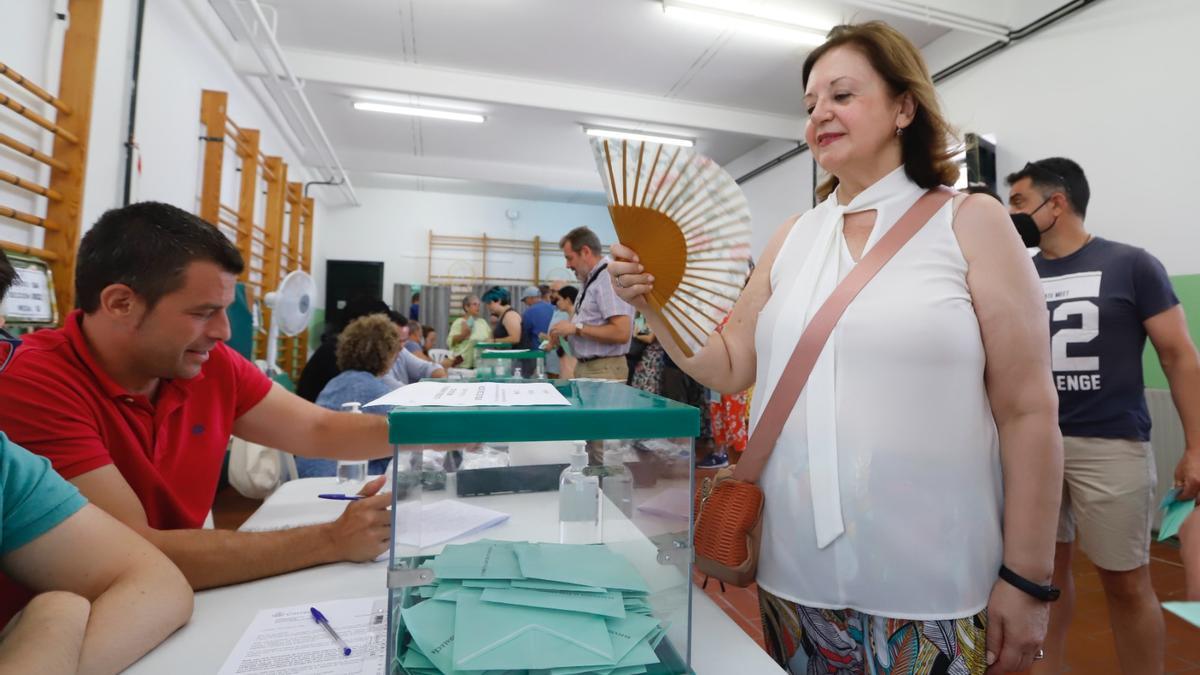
x,y
416,111
760,23
636,136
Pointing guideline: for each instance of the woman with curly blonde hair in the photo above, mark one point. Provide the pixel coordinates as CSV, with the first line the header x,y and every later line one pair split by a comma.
x,y
366,350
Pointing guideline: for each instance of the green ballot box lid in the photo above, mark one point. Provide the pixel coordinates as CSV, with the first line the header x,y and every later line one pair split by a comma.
x,y
597,410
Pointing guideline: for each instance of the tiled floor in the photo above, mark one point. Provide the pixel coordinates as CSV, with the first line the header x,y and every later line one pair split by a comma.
x,y
1090,648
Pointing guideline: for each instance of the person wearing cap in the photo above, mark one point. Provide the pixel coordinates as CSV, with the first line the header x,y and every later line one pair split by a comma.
x,y
535,322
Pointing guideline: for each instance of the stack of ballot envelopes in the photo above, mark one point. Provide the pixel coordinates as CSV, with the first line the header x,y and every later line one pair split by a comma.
x,y
544,609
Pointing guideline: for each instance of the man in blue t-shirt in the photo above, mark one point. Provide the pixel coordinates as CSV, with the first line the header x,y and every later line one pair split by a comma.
x,y
105,596
1105,299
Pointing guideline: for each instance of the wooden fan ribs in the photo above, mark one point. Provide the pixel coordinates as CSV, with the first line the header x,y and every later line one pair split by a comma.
x,y
612,180
687,220
665,176
624,175
650,178
665,250
638,176
682,290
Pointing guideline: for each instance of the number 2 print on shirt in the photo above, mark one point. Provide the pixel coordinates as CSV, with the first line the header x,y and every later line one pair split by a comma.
x,y
1074,322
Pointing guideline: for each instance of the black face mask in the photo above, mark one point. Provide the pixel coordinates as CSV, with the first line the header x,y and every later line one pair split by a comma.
x,y
1028,229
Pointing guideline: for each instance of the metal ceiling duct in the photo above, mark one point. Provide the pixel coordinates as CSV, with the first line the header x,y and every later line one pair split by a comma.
x,y
248,25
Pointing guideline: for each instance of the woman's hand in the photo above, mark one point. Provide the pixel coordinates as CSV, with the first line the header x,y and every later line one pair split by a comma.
x,y
630,281
1016,628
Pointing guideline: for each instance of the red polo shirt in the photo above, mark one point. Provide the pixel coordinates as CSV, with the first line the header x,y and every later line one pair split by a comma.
x,y
57,402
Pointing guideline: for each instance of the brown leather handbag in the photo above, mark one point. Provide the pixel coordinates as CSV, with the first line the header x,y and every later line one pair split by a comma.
x,y
728,507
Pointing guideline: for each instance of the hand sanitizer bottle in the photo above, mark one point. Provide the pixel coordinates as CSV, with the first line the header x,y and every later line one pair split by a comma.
x,y
578,501
352,472
617,483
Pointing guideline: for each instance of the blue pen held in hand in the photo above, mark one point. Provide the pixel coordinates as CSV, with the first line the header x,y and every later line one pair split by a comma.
x,y
324,623
345,498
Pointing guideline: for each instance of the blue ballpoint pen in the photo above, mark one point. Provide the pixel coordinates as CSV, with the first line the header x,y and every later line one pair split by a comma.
x,y
324,623
346,498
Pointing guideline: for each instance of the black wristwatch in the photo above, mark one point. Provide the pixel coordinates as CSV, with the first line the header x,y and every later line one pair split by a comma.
x,y
1047,593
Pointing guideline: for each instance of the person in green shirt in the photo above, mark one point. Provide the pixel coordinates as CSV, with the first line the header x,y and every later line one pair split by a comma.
x,y
104,596
466,331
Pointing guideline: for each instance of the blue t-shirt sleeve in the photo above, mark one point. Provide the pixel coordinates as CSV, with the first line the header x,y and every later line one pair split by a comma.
x,y
35,498
1152,289
412,347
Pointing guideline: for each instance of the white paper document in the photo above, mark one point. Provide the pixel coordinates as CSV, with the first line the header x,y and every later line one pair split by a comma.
x,y
445,520
288,641
470,394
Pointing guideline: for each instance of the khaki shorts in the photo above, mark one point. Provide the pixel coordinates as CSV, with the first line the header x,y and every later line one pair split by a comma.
x,y
607,368
1108,497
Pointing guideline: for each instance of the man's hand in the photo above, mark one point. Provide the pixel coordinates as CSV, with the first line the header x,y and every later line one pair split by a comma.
x,y
562,329
465,332
365,528
1016,628
1187,474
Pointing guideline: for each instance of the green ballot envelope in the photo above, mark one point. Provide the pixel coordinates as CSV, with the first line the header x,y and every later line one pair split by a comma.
x,y
588,565
1175,511
482,559
431,625
607,604
540,585
1188,611
496,637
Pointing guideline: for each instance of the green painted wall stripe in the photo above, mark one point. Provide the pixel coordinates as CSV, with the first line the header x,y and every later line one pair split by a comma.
x,y
1187,287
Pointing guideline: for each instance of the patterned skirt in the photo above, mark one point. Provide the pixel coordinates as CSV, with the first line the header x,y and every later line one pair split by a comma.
x,y
647,375
810,641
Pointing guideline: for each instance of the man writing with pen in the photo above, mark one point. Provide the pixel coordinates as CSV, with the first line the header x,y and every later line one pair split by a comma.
x,y
135,398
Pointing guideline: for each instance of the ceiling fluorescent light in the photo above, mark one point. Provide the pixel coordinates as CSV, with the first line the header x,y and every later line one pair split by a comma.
x,y
419,112
635,136
757,24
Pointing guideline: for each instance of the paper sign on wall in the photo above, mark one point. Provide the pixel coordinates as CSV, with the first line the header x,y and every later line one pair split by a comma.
x,y
31,297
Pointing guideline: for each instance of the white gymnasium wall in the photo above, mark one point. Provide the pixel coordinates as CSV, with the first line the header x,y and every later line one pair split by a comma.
x,y
1113,88
1110,87
175,41
776,194
183,49
392,226
25,50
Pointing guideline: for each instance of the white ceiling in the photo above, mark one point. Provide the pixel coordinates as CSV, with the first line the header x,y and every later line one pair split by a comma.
x,y
539,70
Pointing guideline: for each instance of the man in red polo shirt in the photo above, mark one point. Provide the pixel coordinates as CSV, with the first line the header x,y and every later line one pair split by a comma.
x,y
135,398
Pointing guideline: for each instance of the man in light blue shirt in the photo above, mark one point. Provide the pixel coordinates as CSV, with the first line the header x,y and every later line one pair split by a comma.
x,y
603,325
407,367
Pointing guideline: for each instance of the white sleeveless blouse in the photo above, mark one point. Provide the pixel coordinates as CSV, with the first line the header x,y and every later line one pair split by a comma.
x,y
883,493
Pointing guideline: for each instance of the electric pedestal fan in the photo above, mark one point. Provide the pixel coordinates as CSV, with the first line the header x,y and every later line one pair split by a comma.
x,y
689,223
291,308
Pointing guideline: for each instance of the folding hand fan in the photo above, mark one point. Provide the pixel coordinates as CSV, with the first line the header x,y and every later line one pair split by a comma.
x,y
689,223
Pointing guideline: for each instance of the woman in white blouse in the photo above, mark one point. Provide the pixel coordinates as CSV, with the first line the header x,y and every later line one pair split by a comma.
x,y
924,453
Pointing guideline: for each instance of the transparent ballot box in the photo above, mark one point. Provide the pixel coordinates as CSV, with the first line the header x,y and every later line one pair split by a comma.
x,y
506,363
543,538
481,347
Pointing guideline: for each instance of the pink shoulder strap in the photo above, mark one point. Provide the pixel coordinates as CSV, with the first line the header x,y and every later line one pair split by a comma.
x,y
816,334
